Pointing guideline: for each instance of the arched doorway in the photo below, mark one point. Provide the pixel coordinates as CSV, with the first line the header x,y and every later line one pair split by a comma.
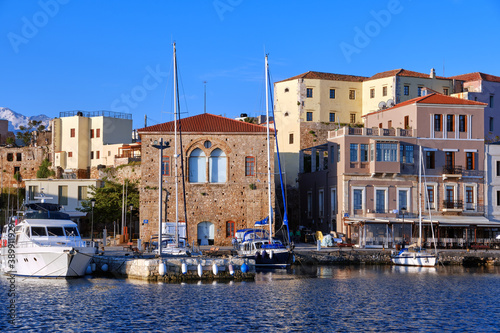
x,y
205,233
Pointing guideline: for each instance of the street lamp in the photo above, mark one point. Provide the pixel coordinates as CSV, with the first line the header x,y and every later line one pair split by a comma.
x,y
403,211
92,203
131,207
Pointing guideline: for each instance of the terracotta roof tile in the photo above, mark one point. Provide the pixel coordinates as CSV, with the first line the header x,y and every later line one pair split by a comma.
x,y
434,98
402,72
476,77
207,123
327,76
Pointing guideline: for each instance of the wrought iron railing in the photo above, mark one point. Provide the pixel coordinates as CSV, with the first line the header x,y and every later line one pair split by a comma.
x,y
453,204
452,170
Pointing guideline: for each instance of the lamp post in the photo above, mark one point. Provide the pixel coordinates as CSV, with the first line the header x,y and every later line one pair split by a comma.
x,y
131,207
403,211
92,203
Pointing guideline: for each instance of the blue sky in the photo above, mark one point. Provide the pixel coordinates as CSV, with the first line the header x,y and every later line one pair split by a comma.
x,y
63,55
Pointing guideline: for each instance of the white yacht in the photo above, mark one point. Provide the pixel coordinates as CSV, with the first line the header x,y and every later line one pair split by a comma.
x,y
44,243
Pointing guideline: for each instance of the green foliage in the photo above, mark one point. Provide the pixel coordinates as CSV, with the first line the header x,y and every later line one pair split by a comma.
x,y
10,141
25,131
44,171
108,202
17,176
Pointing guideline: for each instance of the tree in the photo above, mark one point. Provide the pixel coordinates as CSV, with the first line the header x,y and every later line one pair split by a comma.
x,y
25,131
108,202
10,141
44,171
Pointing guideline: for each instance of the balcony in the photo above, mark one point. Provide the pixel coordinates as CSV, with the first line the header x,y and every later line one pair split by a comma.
x,y
453,205
454,172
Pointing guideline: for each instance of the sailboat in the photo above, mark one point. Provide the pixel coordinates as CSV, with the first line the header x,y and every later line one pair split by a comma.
x,y
257,243
171,243
416,255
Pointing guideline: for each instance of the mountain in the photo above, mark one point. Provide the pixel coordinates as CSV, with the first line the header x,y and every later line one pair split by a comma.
x,y
16,119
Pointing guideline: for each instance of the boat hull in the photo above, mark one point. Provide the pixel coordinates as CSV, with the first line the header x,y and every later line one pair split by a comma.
x,y
278,259
50,262
414,259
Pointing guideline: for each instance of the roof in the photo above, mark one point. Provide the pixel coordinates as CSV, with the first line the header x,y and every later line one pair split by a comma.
x,y
434,98
327,76
477,76
207,123
402,72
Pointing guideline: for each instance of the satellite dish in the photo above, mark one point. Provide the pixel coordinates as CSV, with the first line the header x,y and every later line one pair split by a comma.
x,y
390,103
382,105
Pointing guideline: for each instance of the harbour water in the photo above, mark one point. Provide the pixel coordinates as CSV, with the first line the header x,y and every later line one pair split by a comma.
x,y
311,299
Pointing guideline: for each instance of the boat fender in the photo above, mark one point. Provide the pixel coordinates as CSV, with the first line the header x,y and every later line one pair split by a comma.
x,y
414,256
104,267
270,254
293,258
264,254
88,270
215,269
200,270
184,268
244,268
231,269
161,268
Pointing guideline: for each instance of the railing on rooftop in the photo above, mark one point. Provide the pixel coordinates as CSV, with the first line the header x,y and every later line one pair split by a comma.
x,y
373,131
101,113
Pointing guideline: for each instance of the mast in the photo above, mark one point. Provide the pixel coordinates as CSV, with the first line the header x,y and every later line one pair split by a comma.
x,y
420,198
160,180
268,158
175,154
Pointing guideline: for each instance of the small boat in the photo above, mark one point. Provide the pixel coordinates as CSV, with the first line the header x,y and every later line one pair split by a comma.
x,y
415,254
169,245
44,242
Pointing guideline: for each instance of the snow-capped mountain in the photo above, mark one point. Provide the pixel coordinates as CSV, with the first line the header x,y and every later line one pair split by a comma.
x,y
16,119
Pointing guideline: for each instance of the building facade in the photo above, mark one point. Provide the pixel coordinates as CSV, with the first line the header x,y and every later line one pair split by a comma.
x,y
225,178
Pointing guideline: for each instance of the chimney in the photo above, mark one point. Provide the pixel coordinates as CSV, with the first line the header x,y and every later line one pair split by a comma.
x,y
433,73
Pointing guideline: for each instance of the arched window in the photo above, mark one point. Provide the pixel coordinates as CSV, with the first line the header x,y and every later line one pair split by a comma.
x,y
218,166
197,166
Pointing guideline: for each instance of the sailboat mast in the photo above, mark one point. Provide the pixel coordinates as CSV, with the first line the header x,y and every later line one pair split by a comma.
x,y
268,158
175,153
420,198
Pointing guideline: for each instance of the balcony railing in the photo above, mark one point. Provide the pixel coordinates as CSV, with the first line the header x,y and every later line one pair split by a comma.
x,y
453,204
453,170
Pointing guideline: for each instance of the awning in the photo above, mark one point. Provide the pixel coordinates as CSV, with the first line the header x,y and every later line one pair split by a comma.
x,y
464,221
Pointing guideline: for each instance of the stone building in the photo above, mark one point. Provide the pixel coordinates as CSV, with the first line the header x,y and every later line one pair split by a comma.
x,y
225,163
23,160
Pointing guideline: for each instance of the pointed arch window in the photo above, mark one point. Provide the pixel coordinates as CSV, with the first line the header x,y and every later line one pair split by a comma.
x,y
217,166
197,166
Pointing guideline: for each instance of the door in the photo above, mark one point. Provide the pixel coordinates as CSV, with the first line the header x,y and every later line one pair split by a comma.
x,y
205,233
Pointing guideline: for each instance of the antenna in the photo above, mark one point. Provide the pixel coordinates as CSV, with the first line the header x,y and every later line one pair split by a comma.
x,y
205,97
382,105
390,103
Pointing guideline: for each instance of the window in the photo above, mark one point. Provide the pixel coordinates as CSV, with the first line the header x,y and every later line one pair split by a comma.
x,y
469,198
309,92
98,154
10,157
450,123
491,101
338,153
429,201
63,195
352,118
332,155
290,138
357,199
98,133
406,90
419,92
332,93
332,117
445,91
389,124
384,91
491,124
70,154
380,201
437,122
333,201
17,170
249,166
165,165
32,192
469,157
207,144
363,148
354,152
352,94
82,192
197,166
498,168
91,155
387,152
321,205
217,166
91,133
72,132
309,204
462,123
430,159
409,153
407,122
449,196
372,93
403,200
19,157
498,198
230,229
309,116
450,160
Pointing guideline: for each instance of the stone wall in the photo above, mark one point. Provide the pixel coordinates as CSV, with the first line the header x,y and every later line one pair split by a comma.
x,y
240,199
26,160
314,134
